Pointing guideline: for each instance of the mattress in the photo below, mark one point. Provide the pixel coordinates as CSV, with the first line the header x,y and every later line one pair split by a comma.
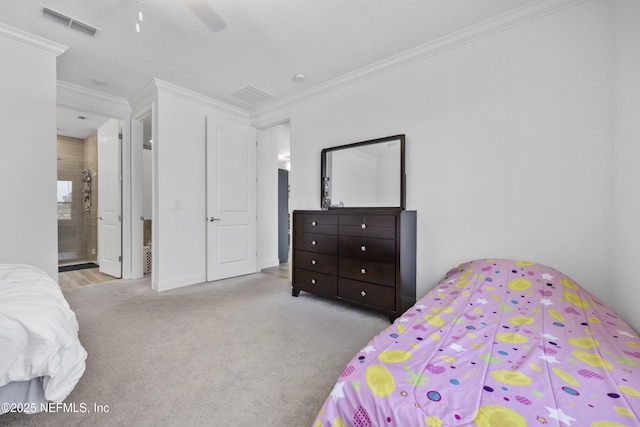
x,y
497,343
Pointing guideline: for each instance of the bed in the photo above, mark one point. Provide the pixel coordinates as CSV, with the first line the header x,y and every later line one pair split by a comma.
x,y
498,343
41,357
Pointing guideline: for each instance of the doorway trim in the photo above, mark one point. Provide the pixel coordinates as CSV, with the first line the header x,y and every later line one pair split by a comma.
x,y
83,99
137,190
267,170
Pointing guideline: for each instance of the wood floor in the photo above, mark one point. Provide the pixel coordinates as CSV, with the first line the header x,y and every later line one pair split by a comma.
x,y
73,279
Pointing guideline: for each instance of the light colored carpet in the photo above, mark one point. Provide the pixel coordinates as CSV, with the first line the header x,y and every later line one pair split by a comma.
x,y
236,352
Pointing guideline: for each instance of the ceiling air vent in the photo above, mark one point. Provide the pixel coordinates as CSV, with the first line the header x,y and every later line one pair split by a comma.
x,y
69,22
252,94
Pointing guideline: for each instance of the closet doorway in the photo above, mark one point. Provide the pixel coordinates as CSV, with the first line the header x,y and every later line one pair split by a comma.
x,y
81,242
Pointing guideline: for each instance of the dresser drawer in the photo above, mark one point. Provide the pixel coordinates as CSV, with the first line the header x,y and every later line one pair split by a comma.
x,y
367,293
367,248
321,263
323,243
382,226
382,273
312,281
316,223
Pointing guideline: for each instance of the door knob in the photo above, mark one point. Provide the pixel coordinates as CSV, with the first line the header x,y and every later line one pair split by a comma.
x,y
211,219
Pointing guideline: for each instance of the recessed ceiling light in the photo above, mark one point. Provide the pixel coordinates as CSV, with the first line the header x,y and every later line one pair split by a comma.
x,y
98,82
299,78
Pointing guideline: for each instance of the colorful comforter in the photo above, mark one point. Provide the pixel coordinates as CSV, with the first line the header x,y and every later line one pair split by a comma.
x,y
498,343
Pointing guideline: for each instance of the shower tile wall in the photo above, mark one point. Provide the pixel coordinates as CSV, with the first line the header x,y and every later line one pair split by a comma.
x,y
91,217
77,236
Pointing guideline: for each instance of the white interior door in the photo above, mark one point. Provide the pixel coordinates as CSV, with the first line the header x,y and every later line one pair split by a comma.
x,y
109,199
231,200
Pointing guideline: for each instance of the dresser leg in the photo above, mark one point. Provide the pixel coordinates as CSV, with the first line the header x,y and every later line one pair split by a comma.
x,y
295,292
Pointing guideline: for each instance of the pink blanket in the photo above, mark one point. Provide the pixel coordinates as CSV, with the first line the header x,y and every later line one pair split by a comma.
x,y
498,343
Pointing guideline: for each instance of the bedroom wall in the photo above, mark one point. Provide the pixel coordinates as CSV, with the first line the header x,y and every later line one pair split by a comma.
x,y
28,219
509,145
179,150
627,173
179,168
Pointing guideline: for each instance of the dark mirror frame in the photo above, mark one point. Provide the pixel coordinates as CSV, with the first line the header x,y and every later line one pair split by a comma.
x,y
323,171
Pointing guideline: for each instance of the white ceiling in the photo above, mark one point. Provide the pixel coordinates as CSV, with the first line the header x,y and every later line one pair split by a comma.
x,y
78,124
265,43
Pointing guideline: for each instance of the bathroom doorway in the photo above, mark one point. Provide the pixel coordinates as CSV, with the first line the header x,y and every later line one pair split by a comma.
x,y
77,198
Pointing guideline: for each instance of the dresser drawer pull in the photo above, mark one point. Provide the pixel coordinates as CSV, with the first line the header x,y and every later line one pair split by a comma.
x,y
363,270
314,223
363,248
363,293
313,281
314,262
363,225
313,242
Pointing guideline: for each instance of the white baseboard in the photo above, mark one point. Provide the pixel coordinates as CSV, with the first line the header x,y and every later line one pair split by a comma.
x,y
166,285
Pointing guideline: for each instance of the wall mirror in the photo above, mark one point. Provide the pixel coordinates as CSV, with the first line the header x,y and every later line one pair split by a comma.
x,y
367,174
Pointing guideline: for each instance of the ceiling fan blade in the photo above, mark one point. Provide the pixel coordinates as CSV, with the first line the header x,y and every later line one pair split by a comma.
x,y
203,10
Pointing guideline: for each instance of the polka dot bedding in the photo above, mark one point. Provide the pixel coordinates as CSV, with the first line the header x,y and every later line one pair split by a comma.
x,y
498,343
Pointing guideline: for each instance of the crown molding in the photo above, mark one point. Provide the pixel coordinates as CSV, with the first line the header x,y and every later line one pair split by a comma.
x,y
80,90
503,22
194,96
144,97
31,40
74,96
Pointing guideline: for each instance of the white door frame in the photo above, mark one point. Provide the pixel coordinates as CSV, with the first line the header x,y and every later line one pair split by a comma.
x,y
137,190
264,219
93,102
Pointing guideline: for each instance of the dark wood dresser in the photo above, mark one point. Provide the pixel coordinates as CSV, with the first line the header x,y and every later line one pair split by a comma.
x,y
362,256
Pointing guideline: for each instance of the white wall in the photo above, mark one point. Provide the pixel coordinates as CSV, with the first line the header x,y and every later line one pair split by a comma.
x,y
179,222
627,173
28,168
509,145
179,217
